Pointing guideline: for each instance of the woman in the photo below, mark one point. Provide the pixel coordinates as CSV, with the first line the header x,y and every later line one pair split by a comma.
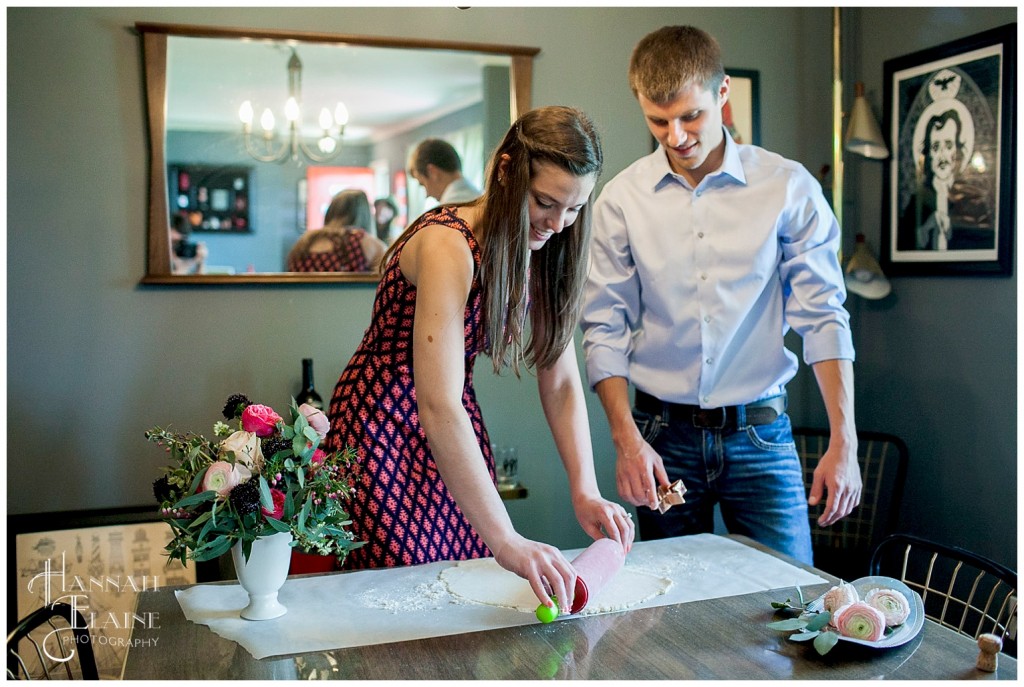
x,y
344,244
459,281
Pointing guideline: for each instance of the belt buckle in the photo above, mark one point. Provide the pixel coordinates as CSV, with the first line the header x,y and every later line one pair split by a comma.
x,y
702,418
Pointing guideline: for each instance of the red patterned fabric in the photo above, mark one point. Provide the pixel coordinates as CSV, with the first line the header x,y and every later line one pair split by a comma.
x,y
346,255
401,508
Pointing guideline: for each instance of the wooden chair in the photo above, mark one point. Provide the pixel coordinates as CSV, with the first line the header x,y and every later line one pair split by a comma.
x,y
845,547
51,656
961,590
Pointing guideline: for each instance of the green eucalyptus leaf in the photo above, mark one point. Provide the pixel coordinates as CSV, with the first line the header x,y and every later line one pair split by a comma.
x,y
278,525
824,642
788,624
804,636
266,500
201,497
819,621
311,434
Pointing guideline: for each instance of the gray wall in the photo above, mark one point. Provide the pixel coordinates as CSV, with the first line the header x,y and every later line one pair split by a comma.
x,y
936,359
94,359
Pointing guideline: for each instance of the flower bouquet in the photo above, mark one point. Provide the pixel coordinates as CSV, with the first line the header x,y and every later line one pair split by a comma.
x,y
259,476
871,616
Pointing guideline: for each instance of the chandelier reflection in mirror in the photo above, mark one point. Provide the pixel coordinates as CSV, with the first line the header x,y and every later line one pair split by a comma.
x,y
265,148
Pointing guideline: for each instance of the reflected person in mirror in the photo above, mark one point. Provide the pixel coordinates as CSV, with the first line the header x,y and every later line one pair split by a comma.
x,y
344,244
705,253
187,257
384,213
502,276
436,165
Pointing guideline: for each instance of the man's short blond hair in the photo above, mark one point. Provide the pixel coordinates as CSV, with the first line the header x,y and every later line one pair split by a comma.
x,y
667,60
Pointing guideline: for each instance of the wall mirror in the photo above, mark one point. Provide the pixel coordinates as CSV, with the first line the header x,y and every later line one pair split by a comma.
x,y
241,203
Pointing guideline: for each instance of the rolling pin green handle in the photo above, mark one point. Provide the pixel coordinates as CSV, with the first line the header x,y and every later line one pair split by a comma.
x,y
547,614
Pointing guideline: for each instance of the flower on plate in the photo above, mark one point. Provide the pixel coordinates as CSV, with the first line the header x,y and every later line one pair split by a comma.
x,y
840,595
859,621
260,420
316,419
892,603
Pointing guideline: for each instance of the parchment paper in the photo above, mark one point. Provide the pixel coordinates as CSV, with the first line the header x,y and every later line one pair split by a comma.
x,y
399,604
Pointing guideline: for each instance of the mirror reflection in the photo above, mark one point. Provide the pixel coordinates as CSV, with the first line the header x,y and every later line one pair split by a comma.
x,y
264,132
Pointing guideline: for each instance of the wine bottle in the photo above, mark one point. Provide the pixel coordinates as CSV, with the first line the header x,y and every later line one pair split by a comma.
x,y
308,393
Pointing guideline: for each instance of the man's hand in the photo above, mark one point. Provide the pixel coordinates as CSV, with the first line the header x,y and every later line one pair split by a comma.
x,y
638,472
838,474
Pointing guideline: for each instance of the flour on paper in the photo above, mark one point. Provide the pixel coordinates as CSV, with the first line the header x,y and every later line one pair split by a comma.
x,y
483,581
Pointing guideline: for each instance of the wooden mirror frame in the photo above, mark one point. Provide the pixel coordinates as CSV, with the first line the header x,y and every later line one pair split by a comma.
x,y
154,52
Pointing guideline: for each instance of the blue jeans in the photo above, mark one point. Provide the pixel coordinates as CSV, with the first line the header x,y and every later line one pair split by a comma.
x,y
752,472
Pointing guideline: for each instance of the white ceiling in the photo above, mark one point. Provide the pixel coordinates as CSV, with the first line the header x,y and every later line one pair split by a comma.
x,y
386,90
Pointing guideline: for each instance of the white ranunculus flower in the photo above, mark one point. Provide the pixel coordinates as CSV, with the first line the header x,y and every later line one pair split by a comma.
x,y
246,448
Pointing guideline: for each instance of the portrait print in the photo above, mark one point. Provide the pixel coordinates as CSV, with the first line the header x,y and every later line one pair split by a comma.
x,y
949,182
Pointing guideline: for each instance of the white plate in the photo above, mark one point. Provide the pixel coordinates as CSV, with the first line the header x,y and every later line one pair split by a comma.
x,y
902,633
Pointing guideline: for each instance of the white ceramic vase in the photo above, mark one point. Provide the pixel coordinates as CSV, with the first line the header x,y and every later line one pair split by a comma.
x,y
263,575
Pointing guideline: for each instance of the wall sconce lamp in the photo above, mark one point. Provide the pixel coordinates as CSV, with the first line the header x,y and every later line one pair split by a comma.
x,y
864,275
863,135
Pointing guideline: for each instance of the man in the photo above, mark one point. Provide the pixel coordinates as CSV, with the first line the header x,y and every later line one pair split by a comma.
x,y
705,253
437,167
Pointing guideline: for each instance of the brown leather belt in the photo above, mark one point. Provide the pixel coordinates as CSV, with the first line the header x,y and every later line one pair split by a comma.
x,y
763,412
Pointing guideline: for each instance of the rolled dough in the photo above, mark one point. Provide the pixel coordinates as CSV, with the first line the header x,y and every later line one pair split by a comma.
x,y
483,581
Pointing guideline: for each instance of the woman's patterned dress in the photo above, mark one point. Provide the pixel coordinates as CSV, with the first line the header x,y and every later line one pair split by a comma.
x,y
401,508
346,255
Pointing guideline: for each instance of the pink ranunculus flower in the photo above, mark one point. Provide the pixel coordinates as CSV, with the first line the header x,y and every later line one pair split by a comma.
x,y
840,595
278,496
316,418
317,459
246,448
892,603
261,420
220,477
859,621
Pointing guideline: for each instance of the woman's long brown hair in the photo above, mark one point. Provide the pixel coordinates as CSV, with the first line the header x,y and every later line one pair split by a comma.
x,y
554,275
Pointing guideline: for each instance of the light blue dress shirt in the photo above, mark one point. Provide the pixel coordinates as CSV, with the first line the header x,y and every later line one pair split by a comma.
x,y
691,290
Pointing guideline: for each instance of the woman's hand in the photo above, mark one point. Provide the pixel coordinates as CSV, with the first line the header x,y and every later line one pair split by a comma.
x,y
543,566
602,518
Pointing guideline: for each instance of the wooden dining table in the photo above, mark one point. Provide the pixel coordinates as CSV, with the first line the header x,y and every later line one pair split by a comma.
x,y
715,639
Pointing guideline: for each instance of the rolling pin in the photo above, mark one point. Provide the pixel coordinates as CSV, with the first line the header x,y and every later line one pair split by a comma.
x,y
595,566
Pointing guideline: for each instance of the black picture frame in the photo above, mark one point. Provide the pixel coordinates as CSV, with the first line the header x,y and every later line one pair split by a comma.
x,y
951,212
745,104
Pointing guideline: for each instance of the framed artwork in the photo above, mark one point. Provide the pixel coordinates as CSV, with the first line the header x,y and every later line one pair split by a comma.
x,y
949,187
97,561
742,113
215,199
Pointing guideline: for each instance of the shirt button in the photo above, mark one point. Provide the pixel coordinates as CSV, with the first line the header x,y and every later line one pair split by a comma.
x,y
707,318
709,360
700,234
704,277
707,399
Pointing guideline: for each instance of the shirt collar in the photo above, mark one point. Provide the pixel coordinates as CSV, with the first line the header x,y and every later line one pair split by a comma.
x,y
662,174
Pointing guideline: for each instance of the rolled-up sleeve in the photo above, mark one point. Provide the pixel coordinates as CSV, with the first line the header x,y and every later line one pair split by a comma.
x,y
812,276
612,295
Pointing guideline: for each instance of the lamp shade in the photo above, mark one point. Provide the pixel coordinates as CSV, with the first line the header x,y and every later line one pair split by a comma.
x,y
863,135
864,276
